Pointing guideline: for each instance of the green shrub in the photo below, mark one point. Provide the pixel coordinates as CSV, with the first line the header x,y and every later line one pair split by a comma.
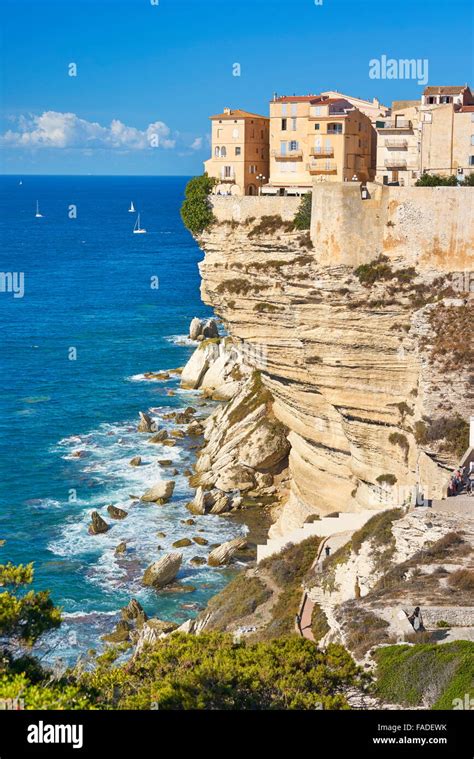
x,y
390,479
436,180
425,673
302,218
196,211
319,623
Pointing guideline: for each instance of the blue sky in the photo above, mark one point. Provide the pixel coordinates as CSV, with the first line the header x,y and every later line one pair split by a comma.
x,y
154,73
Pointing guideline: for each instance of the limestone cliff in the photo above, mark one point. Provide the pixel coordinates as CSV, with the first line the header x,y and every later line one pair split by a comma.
x,y
369,368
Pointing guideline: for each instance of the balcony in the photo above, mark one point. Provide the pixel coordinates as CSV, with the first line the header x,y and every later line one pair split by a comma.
x,y
396,124
396,144
395,163
319,151
289,155
319,167
229,177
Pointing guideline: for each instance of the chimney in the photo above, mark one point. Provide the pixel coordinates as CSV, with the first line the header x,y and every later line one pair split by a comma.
x,y
227,111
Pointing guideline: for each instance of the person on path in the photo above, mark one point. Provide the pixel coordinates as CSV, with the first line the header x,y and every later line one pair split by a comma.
x,y
298,623
417,620
328,550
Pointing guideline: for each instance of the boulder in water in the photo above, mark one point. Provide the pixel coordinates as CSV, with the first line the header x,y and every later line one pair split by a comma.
x,y
159,493
117,513
223,553
146,423
136,461
97,525
162,572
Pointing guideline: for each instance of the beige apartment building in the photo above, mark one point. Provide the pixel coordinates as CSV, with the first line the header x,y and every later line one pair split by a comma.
x,y
432,135
317,137
240,146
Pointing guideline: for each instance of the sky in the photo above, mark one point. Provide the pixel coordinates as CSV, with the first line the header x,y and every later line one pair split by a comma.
x,y
149,73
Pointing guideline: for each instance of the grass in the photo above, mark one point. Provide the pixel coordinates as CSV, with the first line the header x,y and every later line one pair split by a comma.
x,y
378,529
319,623
288,570
363,629
257,395
449,348
425,674
396,438
462,579
241,597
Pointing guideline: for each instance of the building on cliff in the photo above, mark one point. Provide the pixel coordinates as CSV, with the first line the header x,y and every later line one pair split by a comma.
x,y
239,159
317,137
433,135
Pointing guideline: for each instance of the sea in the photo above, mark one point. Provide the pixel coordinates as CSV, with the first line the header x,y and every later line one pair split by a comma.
x,y
89,309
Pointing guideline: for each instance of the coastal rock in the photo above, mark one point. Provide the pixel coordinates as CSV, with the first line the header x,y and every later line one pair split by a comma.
x,y
265,447
197,366
222,503
151,632
120,634
121,548
146,423
136,461
97,525
182,543
210,330
236,478
224,553
161,492
158,437
162,572
200,541
117,513
195,328
134,612
197,561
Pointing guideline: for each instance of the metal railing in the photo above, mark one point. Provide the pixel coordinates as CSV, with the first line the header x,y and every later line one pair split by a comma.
x,y
398,144
279,155
322,151
397,124
319,167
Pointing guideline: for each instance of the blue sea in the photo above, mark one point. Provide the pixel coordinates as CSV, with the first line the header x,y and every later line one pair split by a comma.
x,y
74,350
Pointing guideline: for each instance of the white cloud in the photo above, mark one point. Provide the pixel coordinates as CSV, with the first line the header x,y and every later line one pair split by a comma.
x,y
197,144
53,129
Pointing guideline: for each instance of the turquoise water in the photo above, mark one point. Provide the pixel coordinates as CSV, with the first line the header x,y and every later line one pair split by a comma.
x,y
68,427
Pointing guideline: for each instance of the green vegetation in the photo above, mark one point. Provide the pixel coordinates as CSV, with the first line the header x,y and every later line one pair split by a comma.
x,y
363,629
396,438
374,271
378,529
288,569
451,432
241,597
238,286
319,623
425,674
302,218
448,346
268,308
269,225
24,614
462,579
257,395
436,180
196,211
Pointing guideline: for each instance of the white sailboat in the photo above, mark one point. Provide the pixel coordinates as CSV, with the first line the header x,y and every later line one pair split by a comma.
x,y
132,208
137,229
38,215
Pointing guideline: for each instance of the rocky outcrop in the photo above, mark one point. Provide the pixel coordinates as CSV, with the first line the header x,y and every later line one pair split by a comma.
x,y
146,423
159,493
350,361
97,525
203,329
117,513
224,553
136,461
164,571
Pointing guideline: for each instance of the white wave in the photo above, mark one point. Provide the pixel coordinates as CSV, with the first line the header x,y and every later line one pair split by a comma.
x,y
181,340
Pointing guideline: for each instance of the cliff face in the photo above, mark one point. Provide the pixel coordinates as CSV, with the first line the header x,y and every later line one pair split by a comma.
x,y
361,364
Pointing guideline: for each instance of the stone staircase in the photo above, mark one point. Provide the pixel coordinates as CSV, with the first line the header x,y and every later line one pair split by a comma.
x,y
345,522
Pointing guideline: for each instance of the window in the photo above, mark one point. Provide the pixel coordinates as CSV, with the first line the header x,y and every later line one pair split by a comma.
x,y
360,143
445,99
334,128
428,118
217,151
293,125
235,133
223,152
431,100
471,160
283,109
472,139
261,134
252,169
293,145
219,133
317,126
293,109
228,171
316,110
283,125
238,151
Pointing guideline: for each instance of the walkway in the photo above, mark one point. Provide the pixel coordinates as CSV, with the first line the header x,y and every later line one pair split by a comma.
x,y
333,542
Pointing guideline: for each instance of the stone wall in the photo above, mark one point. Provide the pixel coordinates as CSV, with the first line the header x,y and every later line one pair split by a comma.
x,y
242,208
456,616
430,227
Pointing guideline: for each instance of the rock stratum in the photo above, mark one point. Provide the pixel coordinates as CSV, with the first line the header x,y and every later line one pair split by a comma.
x,y
368,370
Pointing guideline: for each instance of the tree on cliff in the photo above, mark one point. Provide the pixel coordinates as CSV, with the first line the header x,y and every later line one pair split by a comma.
x,y
196,211
302,218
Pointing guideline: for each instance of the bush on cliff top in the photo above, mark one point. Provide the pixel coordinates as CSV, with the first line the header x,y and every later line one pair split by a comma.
x,y
426,674
196,211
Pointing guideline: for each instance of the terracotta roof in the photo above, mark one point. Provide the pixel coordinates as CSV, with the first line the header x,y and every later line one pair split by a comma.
x,y
238,114
444,90
296,99
466,109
